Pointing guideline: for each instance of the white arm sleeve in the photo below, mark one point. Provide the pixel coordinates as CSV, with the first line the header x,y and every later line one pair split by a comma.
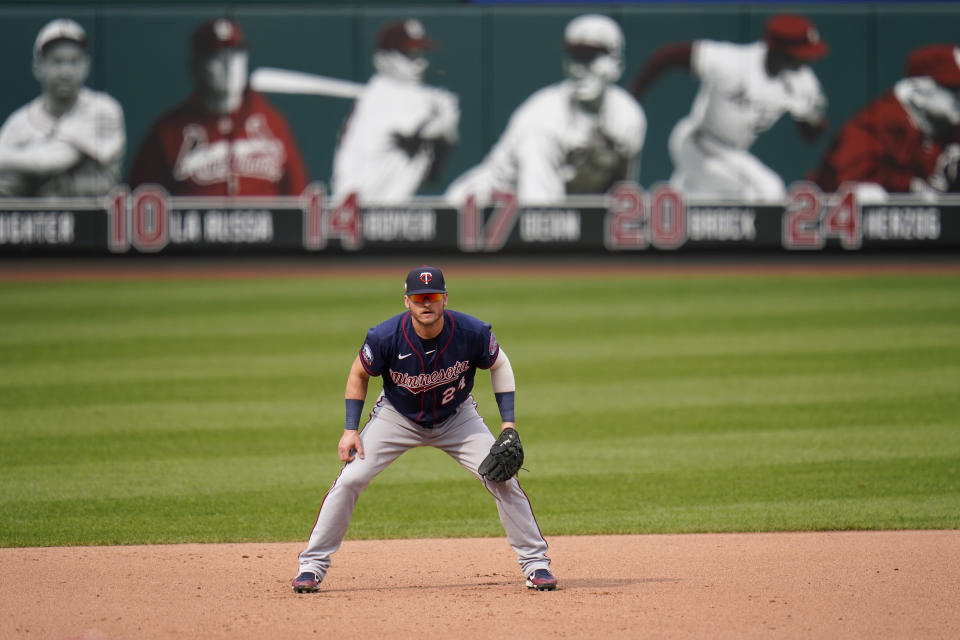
x,y
501,374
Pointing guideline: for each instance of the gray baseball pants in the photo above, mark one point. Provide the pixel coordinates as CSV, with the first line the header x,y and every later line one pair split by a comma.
x,y
463,436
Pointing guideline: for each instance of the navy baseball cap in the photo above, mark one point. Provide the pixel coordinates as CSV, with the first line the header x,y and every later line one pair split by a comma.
x,y
425,279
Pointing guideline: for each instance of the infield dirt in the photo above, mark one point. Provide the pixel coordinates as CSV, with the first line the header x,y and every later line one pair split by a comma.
x,y
890,584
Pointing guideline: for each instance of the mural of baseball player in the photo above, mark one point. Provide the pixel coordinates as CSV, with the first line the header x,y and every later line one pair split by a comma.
x,y
427,358
225,139
70,140
400,130
744,90
580,135
908,138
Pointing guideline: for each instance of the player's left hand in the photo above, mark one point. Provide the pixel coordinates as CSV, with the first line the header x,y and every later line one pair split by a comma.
x,y
505,457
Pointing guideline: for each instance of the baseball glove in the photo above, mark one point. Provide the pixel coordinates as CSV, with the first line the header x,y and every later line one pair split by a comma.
x,y
505,457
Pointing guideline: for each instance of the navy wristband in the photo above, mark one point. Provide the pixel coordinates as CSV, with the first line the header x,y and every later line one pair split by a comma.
x,y
354,409
505,402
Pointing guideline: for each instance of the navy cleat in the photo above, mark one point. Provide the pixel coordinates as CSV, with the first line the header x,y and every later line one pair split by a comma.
x,y
306,582
541,580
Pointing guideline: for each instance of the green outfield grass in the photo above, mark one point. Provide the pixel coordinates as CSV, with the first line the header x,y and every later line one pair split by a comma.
x,y
167,411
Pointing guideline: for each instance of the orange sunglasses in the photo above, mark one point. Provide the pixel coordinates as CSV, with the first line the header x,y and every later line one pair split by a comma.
x,y
424,297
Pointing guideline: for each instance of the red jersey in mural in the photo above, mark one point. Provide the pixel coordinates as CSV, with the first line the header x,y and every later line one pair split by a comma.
x,y
251,151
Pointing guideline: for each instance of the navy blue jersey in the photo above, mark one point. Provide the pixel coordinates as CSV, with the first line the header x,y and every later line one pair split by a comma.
x,y
427,388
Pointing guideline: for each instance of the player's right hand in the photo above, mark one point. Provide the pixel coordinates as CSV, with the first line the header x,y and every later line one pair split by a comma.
x,y
350,446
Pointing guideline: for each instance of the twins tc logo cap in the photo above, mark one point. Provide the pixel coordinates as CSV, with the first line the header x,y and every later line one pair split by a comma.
x,y
425,279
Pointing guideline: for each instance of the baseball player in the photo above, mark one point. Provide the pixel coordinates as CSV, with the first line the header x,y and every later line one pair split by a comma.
x,y
427,359
70,140
744,90
400,130
226,139
906,140
580,135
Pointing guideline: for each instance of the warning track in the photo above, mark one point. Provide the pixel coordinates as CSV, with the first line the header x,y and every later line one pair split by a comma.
x,y
185,268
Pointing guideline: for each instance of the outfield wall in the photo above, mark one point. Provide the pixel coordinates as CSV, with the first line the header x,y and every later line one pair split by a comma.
x,y
492,57
628,219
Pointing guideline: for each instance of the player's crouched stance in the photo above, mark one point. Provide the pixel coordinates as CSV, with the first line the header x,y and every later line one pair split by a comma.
x,y
427,358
